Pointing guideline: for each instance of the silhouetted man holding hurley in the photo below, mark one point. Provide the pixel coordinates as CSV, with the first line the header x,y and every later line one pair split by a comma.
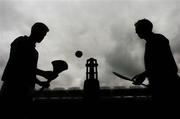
x,y
160,67
19,76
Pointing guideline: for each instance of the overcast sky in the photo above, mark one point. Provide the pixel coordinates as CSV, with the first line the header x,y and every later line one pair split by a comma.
x,y
102,29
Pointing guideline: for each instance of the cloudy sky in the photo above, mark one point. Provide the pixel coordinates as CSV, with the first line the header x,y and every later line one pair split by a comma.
x,y
102,29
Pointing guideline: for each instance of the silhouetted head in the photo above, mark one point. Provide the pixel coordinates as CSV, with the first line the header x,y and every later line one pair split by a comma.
x,y
143,28
39,31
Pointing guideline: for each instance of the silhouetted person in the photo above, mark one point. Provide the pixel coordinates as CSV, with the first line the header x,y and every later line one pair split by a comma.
x,y
160,67
19,76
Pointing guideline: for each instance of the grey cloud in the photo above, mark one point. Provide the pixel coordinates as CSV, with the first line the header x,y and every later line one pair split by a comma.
x,y
102,29
9,15
2,65
65,81
175,42
127,54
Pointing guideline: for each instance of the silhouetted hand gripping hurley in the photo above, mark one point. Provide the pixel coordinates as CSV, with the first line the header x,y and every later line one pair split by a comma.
x,y
129,79
58,67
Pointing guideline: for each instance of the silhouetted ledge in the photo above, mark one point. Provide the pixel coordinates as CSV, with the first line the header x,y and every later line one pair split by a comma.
x,y
111,100
106,94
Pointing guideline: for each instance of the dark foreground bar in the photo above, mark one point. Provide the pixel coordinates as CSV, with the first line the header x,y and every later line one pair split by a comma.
x,y
57,103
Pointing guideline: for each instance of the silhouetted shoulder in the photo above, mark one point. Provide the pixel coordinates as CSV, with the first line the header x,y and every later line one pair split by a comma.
x,y
161,38
19,41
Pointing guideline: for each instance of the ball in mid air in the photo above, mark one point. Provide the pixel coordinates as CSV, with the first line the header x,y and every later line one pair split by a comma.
x,y
78,54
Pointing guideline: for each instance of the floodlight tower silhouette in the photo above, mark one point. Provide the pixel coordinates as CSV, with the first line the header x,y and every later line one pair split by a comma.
x,y
91,84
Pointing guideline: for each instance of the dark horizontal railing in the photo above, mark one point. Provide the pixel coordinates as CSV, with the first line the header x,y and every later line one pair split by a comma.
x,y
122,92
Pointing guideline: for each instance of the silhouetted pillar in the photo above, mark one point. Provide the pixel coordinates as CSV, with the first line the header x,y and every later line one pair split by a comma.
x,y
91,84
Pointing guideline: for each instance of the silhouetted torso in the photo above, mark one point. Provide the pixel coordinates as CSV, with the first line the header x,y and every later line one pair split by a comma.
x,y
19,77
21,67
158,56
160,67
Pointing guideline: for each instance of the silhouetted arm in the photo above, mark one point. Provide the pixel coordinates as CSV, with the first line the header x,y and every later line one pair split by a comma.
x,y
46,74
40,72
139,79
38,82
42,83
